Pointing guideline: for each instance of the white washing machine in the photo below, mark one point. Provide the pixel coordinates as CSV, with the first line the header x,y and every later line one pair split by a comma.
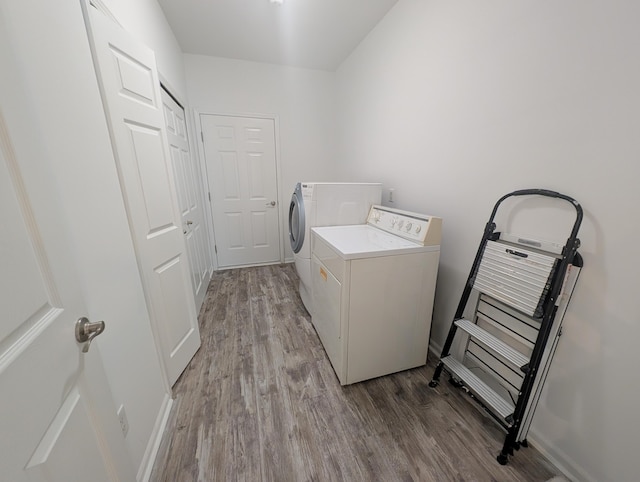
x,y
324,204
373,288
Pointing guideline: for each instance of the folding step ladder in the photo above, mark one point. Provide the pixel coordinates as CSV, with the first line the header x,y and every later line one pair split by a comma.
x,y
519,290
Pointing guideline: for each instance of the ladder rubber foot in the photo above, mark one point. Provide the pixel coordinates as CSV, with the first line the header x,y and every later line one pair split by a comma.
x,y
455,382
524,443
502,459
433,383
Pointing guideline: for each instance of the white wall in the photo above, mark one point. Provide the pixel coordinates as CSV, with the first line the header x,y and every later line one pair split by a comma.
x,y
51,41
456,103
302,100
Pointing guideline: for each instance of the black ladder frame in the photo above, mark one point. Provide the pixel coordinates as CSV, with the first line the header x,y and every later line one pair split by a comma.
x,y
568,254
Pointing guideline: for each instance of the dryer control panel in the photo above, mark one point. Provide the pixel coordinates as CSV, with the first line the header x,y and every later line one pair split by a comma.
x,y
419,228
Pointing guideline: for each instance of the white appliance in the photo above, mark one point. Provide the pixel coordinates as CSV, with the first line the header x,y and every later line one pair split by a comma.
x,y
373,287
324,204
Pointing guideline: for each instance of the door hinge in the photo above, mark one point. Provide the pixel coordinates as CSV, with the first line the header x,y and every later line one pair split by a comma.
x,y
202,136
215,248
209,196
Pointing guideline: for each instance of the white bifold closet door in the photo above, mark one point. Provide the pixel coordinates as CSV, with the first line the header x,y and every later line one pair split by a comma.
x,y
190,197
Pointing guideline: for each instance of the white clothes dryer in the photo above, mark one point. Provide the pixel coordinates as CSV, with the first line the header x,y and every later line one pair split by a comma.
x,y
373,287
324,204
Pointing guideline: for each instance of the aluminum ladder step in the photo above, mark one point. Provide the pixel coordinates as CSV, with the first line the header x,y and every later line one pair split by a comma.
x,y
495,344
480,389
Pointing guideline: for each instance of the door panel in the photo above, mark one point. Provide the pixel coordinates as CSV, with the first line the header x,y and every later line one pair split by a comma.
x,y
135,80
56,449
20,314
57,415
234,230
260,229
241,170
148,168
231,176
190,198
131,93
258,169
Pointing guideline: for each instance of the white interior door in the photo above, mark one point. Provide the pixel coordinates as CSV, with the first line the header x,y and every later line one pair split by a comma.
x,y
130,91
241,169
189,191
57,415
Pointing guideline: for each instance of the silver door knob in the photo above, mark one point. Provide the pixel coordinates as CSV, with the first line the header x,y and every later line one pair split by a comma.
x,y
272,203
86,331
189,223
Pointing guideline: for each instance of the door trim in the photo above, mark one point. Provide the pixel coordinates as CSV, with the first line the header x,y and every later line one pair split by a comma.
x,y
201,154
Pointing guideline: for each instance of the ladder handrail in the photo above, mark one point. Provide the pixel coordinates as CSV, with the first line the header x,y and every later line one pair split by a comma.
x,y
546,193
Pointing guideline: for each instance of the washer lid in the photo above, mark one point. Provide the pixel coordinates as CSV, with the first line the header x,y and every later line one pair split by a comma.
x,y
363,241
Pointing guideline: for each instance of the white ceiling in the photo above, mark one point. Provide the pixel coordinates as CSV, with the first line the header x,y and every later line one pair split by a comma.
x,y
315,34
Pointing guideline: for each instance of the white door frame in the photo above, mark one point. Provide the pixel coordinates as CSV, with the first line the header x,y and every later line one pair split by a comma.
x,y
201,154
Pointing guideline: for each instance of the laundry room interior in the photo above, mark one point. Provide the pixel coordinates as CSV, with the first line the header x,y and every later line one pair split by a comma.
x,y
446,106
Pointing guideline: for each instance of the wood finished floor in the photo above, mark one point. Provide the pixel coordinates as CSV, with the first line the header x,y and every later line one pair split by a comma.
x,y
260,402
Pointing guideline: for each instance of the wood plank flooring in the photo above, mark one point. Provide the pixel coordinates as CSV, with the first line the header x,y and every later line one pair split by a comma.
x,y
260,402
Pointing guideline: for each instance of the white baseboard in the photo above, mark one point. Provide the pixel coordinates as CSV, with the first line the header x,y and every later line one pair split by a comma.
x,y
146,466
435,350
561,461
